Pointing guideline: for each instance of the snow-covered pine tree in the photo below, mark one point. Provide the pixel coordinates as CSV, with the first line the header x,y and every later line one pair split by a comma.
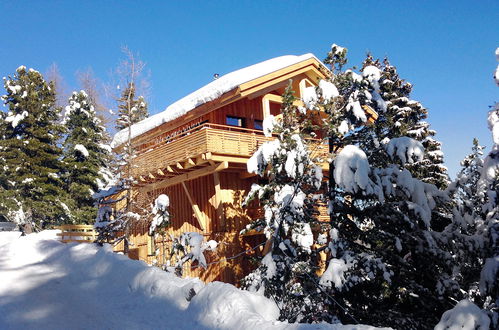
x,y
399,115
8,202
131,109
30,150
385,267
287,272
489,191
464,235
85,157
474,234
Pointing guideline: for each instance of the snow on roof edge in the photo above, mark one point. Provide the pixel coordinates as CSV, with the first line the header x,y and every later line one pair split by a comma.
x,y
209,93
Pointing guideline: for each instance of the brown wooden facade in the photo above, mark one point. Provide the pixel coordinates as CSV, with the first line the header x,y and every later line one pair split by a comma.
x,y
199,161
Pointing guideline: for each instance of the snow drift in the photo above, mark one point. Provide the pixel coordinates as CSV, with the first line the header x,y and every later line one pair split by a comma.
x,y
46,284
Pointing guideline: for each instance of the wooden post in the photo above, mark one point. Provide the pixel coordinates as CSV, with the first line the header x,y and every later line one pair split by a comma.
x,y
218,201
197,212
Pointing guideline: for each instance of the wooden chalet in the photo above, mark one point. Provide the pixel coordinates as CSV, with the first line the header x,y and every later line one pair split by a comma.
x,y
196,152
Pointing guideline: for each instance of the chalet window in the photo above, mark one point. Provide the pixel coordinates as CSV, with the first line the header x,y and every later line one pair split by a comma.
x,y
258,124
235,121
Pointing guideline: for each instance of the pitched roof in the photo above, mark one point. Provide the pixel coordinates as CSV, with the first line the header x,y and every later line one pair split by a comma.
x,y
209,93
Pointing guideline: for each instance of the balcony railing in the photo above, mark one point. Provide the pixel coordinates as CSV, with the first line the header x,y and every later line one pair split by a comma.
x,y
212,138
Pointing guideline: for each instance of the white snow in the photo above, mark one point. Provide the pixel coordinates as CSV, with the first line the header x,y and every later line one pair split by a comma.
x,y
334,273
292,197
160,212
259,160
302,236
50,285
406,149
329,90
357,111
489,274
162,202
343,128
208,93
15,119
268,125
337,50
105,147
309,97
268,261
464,316
351,169
493,123
81,149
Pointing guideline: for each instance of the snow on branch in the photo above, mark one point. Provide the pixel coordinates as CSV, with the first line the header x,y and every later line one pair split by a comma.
x,y
406,149
81,149
465,315
161,215
351,170
192,245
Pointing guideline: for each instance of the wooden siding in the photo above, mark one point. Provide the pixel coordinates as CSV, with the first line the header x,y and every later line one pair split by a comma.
x,y
224,231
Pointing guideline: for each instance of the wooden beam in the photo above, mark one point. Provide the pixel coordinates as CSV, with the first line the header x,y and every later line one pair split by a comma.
x,y
169,169
246,175
151,176
188,163
218,201
160,172
197,212
180,166
187,176
294,69
232,159
206,156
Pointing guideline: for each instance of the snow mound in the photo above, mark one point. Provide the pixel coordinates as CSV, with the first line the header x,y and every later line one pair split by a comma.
x,y
208,93
464,316
50,285
220,305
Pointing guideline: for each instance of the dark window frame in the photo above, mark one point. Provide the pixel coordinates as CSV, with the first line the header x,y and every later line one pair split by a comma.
x,y
239,121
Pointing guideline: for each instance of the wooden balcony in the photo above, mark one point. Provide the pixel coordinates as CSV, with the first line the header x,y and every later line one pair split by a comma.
x,y
207,144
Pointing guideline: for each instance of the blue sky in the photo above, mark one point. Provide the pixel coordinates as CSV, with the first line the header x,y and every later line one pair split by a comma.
x,y
445,48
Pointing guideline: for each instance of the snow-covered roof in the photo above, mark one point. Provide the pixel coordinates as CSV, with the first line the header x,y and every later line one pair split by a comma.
x,y
209,93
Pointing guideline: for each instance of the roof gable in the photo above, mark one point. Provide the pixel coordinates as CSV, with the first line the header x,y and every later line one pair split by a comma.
x,y
247,78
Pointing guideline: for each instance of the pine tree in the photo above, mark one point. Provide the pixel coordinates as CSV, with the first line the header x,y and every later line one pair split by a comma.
x,y
385,266
488,190
287,273
464,235
85,157
131,110
399,115
30,150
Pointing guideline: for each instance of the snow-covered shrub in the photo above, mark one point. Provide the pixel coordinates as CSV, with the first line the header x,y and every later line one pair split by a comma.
x,y
190,246
161,217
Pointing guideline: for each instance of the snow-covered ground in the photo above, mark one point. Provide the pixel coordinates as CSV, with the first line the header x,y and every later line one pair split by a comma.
x,y
45,284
